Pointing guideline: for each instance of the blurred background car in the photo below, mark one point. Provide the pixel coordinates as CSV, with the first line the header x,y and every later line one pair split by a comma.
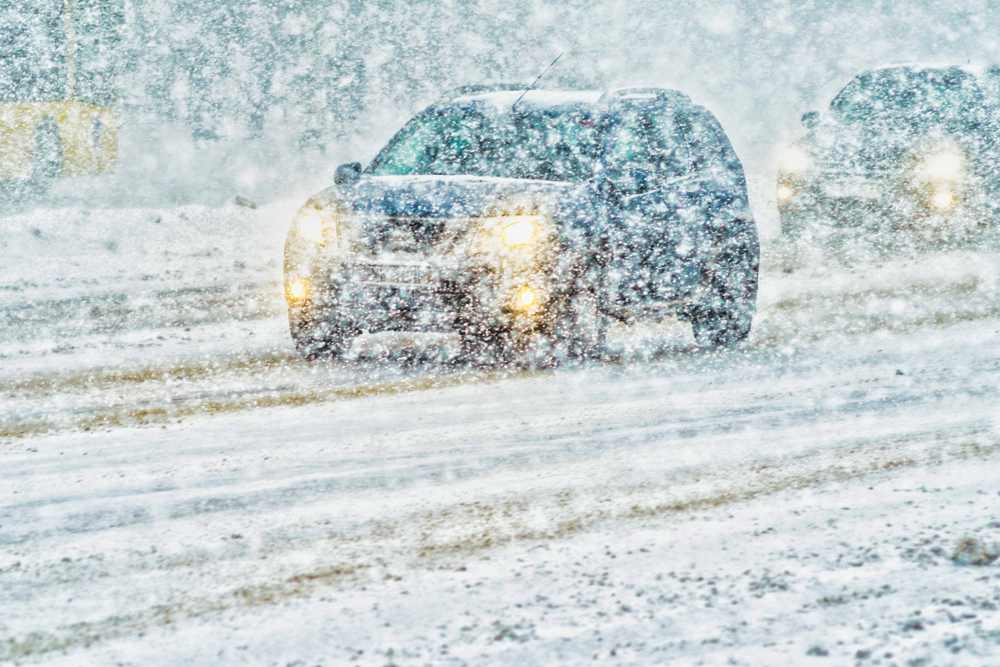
x,y
904,152
529,219
57,90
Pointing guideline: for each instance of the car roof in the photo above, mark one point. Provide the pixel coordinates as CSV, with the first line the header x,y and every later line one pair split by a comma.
x,y
536,99
501,97
972,70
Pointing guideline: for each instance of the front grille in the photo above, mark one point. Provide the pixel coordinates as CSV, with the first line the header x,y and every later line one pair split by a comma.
x,y
402,274
409,235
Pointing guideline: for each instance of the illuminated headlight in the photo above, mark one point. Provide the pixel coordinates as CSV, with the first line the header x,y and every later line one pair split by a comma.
x,y
794,160
785,193
517,233
313,230
297,289
943,199
521,231
315,226
945,165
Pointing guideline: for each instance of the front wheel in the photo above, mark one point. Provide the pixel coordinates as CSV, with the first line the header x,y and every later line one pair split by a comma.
x,y
725,317
720,328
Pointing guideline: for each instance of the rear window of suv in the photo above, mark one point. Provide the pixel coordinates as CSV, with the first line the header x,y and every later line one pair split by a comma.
x,y
915,97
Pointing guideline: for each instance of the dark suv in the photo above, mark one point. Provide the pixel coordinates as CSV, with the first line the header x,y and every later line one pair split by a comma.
x,y
902,149
526,220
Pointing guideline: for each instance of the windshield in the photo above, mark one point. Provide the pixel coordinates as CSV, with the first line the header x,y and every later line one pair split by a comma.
x,y
911,97
550,145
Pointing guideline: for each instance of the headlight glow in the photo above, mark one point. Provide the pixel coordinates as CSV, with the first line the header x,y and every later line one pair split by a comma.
x,y
315,225
785,193
526,300
943,200
297,289
946,164
794,160
515,234
520,231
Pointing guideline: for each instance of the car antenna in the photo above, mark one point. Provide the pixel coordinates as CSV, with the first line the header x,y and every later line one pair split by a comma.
x,y
535,82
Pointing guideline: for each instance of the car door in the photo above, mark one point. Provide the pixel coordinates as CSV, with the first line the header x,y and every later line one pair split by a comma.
x,y
649,156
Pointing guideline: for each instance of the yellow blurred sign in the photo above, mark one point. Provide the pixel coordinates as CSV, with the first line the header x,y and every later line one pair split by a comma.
x,y
53,121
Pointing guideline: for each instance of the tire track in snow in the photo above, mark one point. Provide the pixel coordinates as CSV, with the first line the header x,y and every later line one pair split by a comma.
x,y
769,476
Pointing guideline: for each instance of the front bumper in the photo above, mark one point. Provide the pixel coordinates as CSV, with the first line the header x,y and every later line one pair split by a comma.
x,y
417,293
835,204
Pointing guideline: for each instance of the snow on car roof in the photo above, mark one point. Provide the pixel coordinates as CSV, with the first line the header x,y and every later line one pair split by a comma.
x,y
504,99
974,70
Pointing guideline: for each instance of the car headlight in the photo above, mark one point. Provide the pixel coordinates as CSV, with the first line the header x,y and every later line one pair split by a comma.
x,y
943,199
785,193
513,233
794,160
526,299
521,230
297,289
313,229
315,226
943,165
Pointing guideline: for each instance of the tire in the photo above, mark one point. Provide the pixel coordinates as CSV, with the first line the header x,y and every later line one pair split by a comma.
x,y
316,337
47,159
725,318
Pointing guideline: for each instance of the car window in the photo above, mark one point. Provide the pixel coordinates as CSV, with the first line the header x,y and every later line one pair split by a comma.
x,y
991,87
682,143
627,141
717,160
913,97
554,145
662,142
435,144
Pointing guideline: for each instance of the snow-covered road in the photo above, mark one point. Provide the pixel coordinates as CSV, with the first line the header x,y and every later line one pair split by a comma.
x,y
176,488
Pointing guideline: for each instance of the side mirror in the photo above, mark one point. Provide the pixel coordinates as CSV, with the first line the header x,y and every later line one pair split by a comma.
x,y
347,174
810,119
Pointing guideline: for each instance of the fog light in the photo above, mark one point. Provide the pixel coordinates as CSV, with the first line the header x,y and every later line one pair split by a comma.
x,y
297,289
526,299
943,200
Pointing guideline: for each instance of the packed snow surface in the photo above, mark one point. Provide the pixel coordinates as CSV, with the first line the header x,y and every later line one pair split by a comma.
x,y
177,488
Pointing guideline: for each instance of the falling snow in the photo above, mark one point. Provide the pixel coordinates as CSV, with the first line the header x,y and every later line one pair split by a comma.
x,y
499,332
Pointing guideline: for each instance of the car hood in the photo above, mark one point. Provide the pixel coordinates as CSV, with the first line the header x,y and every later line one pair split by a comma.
x,y
446,196
872,149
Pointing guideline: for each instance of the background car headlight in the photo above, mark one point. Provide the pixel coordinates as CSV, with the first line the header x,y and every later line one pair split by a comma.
x,y
945,164
794,160
785,193
943,200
